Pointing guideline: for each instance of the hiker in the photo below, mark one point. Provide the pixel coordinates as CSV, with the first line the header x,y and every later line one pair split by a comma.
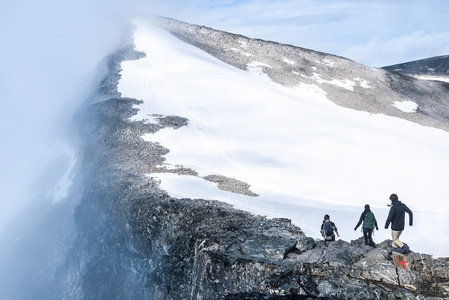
x,y
328,228
396,217
369,222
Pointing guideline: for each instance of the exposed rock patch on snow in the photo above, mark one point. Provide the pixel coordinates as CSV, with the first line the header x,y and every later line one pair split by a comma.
x,y
231,185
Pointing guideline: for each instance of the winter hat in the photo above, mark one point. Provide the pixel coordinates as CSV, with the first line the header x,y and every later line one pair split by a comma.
x,y
367,207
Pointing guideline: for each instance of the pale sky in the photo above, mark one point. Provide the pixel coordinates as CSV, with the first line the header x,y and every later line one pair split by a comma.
x,y
50,51
376,33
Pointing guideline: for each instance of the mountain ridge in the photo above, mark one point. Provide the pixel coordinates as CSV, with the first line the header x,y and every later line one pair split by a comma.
x,y
290,65
433,66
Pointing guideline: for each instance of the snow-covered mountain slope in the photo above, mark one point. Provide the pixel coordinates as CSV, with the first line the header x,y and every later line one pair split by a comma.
x,y
373,90
288,132
433,68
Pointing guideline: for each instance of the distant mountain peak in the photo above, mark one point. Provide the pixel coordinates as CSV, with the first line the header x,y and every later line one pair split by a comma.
x,y
436,68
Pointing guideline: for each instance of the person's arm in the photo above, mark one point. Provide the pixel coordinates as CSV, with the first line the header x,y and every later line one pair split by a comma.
x,y
335,229
410,215
375,223
362,217
322,229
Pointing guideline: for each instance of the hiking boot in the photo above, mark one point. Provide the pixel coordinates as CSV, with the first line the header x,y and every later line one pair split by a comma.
x,y
405,248
397,250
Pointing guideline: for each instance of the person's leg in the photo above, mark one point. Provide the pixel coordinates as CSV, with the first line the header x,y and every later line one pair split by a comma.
x,y
395,236
365,236
370,237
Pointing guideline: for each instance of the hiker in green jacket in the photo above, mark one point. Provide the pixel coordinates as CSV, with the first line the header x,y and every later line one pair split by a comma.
x,y
369,222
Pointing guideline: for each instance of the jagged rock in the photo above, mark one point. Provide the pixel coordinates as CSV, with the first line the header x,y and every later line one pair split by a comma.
x,y
440,268
422,263
304,244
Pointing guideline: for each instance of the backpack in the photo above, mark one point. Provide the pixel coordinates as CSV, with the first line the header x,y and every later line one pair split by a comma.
x,y
369,221
328,230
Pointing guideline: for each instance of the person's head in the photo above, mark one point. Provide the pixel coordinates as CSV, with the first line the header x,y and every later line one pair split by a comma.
x,y
326,217
367,207
394,197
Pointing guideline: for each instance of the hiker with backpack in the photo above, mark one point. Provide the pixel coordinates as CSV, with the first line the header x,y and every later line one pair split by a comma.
x,y
369,223
328,229
396,217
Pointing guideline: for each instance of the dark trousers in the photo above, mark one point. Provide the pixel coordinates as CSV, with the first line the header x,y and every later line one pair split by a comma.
x,y
367,235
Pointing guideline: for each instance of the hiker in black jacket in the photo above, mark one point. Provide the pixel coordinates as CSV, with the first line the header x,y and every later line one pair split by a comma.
x,y
369,222
397,219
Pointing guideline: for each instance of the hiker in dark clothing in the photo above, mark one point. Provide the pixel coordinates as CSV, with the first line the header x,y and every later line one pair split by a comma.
x,y
328,228
396,217
369,222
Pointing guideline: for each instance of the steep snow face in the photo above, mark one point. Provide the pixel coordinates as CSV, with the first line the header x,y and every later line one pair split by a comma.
x,y
302,155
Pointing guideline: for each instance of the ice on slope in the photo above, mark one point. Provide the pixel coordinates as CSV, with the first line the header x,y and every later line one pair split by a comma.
x,y
406,106
304,155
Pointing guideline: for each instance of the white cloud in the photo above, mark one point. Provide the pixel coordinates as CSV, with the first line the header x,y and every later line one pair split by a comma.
x,y
417,45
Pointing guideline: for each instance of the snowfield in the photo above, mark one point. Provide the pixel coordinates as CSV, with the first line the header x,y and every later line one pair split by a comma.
x,y
430,77
301,153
